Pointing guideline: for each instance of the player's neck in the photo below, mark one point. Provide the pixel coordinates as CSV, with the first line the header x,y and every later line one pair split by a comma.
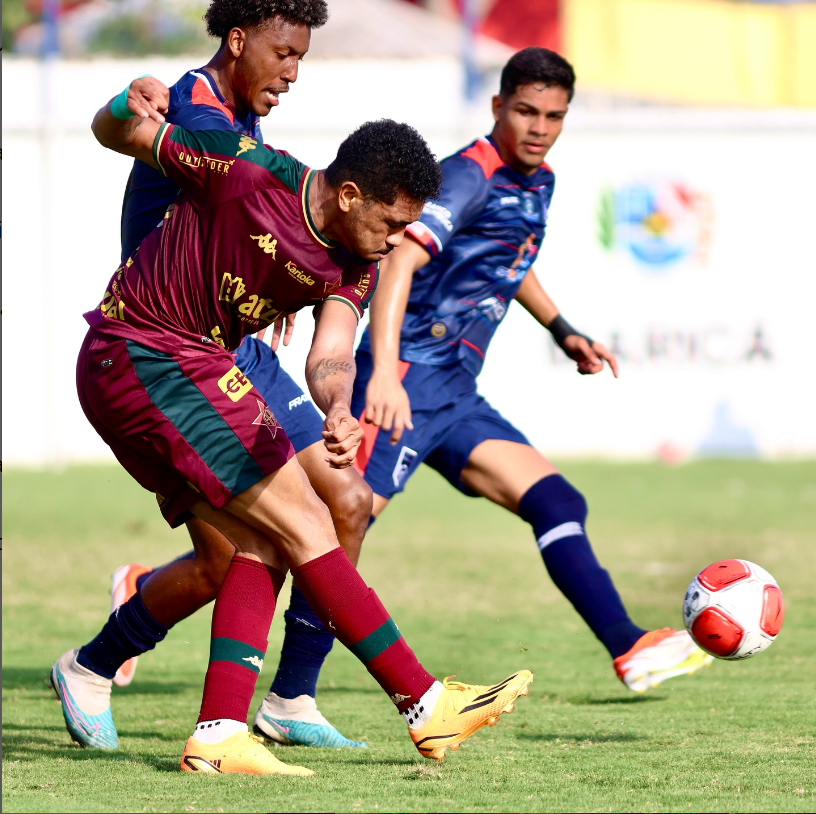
x,y
323,206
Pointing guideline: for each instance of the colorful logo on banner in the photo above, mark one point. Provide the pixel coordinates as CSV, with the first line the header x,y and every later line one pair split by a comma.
x,y
659,223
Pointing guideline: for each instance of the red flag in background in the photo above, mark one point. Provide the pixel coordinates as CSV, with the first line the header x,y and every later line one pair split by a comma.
x,y
520,23
517,23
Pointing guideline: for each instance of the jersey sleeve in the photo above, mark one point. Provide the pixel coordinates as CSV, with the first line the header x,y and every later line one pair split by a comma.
x,y
357,287
464,193
211,166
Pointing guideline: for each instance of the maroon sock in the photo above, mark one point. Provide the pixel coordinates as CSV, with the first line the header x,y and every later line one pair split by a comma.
x,y
241,618
354,613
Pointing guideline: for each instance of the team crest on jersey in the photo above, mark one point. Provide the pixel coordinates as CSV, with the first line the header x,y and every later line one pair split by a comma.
x,y
266,418
406,458
235,384
246,143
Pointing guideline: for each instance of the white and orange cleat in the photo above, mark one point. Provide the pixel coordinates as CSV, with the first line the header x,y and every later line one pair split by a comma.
x,y
657,656
123,587
241,753
462,709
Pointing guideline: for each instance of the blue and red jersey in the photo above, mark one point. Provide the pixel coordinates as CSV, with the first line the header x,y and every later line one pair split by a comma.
x,y
483,233
195,104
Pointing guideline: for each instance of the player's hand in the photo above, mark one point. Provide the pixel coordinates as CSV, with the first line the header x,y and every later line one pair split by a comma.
x,y
148,98
388,405
342,435
278,327
590,358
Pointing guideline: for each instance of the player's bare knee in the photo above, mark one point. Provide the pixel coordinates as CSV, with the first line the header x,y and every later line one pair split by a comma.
x,y
351,509
212,571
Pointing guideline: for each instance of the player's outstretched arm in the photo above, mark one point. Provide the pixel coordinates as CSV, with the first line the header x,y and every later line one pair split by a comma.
x,y
330,373
129,122
387,403
589,355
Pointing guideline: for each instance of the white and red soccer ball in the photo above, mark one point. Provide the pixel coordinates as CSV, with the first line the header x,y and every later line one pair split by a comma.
x,y
733,609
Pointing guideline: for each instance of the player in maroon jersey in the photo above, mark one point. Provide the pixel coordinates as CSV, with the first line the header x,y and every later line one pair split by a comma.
x,y
157,382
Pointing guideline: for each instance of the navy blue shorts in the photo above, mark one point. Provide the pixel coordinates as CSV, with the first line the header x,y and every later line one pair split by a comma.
x,y
450,420
292,407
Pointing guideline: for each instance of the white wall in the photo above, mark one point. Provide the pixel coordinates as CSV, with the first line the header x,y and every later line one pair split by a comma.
x,y
687,383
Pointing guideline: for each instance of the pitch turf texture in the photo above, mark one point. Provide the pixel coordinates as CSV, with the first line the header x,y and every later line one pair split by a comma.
x,y
465,583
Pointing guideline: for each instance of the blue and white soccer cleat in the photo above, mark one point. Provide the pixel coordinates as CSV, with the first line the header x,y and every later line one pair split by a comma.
x,y
297,722
85,699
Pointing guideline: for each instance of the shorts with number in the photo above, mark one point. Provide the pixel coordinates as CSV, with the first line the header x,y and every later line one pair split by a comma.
x,y
450,420
291,406
185,427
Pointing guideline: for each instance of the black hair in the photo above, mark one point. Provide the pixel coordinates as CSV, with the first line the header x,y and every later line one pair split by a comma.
x,y
537,66
224,15
385,158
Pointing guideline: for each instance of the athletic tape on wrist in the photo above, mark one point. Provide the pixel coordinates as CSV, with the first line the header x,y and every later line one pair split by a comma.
x,y
119,108
561,329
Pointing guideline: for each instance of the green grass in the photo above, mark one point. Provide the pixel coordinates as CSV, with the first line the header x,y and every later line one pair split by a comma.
x,y
465,583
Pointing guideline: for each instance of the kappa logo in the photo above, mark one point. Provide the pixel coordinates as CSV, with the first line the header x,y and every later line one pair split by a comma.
x,y
396,697
255,661
266,244
266,418
245,144
406,457
235,384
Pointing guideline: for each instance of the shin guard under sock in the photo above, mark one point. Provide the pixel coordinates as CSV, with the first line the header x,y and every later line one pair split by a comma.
x,y
557,512
129,631
242,615
353,612
306,644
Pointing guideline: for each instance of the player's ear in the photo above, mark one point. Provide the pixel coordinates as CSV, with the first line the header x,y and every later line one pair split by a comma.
x,y
498,104
348,196
236,40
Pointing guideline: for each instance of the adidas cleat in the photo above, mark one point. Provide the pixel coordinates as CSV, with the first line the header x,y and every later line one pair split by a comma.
x,y
241,753
462,709
297,722
85,699
123,587
657,656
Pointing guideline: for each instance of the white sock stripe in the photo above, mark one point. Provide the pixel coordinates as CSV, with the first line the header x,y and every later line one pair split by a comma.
x,y
571,529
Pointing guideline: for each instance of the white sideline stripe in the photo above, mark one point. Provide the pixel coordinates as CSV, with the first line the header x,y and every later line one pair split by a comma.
x,y
571,529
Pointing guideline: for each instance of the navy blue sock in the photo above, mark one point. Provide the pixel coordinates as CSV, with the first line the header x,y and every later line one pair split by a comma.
x,y
306,644
129,631
557,511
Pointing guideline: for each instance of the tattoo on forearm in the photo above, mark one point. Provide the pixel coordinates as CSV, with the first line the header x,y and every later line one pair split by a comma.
x,y
328,367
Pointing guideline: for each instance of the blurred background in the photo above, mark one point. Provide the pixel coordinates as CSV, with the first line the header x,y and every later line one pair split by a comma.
x,y
681,231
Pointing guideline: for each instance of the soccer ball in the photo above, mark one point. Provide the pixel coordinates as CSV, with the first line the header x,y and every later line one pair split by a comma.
x,y
733,609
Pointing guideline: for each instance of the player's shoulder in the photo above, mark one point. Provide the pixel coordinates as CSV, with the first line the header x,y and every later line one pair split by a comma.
x,y
480,159
196,93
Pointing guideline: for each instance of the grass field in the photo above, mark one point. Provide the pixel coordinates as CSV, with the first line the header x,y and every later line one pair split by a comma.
x,y
465,583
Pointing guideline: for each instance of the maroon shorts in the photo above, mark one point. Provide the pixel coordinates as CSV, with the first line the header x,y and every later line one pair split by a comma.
x,y
185,427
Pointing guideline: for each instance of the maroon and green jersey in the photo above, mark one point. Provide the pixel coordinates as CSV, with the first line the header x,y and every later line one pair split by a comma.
x,y
237,249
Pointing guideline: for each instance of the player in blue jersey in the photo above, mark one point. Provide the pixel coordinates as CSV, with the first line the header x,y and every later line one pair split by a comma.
x,y
261,46
441,298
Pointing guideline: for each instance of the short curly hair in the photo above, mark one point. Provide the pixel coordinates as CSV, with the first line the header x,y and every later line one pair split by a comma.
x,y
385,158
224,15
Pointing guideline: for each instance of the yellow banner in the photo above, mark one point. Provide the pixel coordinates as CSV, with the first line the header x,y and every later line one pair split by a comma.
x,y
717,52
